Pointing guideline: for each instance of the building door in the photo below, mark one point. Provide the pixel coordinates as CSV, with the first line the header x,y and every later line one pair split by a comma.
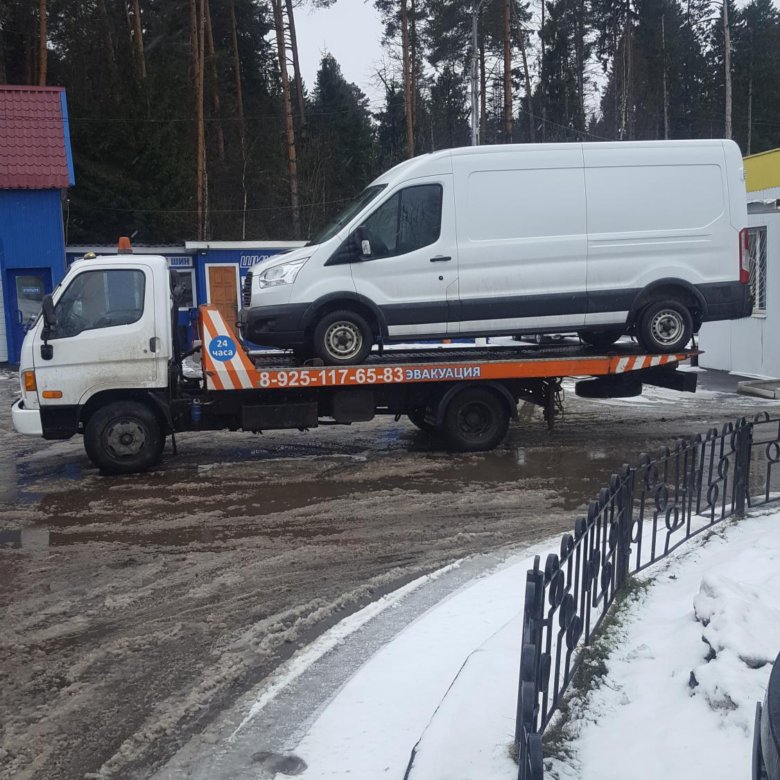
x,y
223,291
26,288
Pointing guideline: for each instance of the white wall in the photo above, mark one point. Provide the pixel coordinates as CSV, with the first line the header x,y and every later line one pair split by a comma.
x,y
751,345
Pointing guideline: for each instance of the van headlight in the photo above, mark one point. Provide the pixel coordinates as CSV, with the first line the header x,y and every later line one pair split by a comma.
x,y
280,274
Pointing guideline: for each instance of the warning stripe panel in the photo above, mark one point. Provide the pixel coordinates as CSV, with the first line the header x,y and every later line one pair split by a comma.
x,y
226,364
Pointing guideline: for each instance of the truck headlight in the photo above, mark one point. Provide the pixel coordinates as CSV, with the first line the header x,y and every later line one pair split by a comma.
x,y
280,274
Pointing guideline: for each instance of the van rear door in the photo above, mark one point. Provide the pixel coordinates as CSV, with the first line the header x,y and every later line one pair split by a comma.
x,y
656,210
521,239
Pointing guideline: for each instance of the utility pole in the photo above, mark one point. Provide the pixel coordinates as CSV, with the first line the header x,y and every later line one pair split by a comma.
x,y
476,8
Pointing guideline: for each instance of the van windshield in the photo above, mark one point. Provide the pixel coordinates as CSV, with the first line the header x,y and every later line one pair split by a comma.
x,y
365,197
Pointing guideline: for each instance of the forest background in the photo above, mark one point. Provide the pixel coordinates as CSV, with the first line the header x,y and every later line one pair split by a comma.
x,y
190,119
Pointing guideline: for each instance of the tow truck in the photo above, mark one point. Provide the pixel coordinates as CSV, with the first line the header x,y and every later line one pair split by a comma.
x,y
103,361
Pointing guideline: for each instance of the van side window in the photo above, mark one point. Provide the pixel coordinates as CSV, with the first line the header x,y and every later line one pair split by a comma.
x,y
99,299
411,219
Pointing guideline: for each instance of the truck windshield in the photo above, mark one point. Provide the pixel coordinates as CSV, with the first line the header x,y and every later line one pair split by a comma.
x,y
362,200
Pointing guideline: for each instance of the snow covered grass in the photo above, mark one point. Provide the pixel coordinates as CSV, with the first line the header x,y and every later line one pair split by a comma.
x,y
685,660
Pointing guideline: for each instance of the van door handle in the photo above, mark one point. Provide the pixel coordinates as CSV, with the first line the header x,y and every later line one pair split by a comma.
x,y
440,258
153,344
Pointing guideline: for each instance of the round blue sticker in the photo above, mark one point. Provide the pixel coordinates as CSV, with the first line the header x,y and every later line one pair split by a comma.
x,y
222,348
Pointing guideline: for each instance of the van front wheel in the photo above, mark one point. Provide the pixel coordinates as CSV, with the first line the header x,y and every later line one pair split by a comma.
x,y
665,326
342,338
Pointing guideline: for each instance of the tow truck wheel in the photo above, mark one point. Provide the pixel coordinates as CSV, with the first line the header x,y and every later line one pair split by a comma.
x,y
665,326
124,437
476,420
342,338
417,416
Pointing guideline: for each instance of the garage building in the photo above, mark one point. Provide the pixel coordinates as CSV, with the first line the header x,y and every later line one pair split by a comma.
x,y
36,168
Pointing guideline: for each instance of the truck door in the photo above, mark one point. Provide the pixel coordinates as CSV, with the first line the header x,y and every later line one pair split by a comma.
x,y
412,273
105,335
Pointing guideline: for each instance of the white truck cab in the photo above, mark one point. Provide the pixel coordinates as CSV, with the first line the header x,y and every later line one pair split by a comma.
x,y
104,330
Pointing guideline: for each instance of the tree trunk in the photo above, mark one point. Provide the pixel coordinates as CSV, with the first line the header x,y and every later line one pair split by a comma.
x,y
292,158
624,131
43,38
3,75
750,111
665,85
197,36
408,109
529,102
542,77
413,62
296,66
108,42
579,45
727,65
508,71
138,41
211,53
240,109
474,77
482,92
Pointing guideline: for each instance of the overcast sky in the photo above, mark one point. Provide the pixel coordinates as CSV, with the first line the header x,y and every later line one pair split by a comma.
x,y
351,32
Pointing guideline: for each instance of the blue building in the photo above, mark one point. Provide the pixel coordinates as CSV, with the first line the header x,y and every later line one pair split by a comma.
x,y
36,168
207,271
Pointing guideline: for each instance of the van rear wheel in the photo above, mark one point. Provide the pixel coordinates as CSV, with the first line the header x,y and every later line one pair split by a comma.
x,y
342,338
665,326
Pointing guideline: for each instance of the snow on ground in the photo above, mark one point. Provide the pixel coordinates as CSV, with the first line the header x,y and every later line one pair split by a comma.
x,y
691,656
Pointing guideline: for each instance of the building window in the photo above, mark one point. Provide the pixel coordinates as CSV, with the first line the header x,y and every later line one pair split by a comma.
x,y
184,279
757,256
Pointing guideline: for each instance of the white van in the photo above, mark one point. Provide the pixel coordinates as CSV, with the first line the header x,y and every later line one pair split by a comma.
x,y
600,238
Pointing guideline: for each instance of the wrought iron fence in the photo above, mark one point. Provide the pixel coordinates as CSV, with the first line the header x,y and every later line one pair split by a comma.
x,y
645,513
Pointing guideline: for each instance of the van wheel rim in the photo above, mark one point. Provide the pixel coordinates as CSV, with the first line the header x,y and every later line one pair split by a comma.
x,y
667,327
125,439
343,339
475,420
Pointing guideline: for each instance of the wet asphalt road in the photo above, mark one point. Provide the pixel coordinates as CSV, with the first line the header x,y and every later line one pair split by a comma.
x,y
136,609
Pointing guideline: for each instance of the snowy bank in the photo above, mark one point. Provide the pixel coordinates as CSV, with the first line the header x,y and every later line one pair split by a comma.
x,y
691,656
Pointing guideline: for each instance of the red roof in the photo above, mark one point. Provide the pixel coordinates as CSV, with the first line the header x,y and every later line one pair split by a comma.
x,y
34,139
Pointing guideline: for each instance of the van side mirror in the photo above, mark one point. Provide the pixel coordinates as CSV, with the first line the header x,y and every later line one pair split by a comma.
x,y
363,241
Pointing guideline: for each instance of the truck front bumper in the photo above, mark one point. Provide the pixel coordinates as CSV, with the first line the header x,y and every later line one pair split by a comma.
x,y
26,421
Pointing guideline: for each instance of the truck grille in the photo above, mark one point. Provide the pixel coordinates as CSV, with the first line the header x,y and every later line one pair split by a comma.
x,y
246,291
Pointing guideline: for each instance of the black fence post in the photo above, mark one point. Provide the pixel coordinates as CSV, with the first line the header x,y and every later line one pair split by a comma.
x,y
743,437
527,738
625,524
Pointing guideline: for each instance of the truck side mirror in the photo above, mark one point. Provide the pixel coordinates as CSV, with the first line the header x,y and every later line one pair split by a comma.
x,y
363,241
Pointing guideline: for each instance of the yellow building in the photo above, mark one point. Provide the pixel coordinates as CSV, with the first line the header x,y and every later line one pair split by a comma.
x,y
762,175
